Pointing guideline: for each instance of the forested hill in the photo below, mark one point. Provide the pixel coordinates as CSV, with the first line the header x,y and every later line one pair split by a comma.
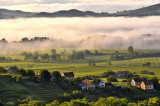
x,y
145,11
153,10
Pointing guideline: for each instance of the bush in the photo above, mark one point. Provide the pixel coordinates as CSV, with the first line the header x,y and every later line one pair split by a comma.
x,y
17,78
21,72
2,70
147,72
30,73
1,103
112,79
108,73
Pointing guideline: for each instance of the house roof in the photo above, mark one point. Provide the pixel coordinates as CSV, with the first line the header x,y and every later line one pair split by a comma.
x,y
13,68
148,82
86,82
139,79
68,74
126,72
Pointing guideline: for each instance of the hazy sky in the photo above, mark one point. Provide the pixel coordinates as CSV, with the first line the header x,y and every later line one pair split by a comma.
x,y
85,5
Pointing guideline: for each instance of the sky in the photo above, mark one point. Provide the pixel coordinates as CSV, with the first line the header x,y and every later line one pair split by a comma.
x,y
84,5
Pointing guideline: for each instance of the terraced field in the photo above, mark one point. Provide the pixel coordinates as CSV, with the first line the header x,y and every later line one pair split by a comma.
x,y
47,92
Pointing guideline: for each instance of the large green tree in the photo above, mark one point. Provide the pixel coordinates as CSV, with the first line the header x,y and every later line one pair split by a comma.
x,y
56,75
45,76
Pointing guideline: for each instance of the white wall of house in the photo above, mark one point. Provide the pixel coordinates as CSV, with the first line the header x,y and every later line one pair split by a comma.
x,y
149,87
101,84
133,83
84,87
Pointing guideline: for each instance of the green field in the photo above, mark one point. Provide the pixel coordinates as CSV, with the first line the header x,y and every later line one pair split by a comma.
x,y
82,68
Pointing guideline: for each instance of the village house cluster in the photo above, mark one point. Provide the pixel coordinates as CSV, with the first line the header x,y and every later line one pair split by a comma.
x,y
86,84
143,83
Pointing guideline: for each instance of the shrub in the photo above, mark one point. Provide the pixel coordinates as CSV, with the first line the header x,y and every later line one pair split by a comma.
x,y
30,73
112,79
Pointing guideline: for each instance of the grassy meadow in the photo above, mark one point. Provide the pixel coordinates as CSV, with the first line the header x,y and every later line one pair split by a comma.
x,y
81,68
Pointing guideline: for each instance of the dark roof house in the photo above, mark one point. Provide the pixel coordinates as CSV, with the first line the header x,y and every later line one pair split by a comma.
x,y
68,75
12,69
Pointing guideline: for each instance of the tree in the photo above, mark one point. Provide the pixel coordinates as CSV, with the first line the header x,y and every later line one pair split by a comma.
x,y
130,49
90,62
2,70
130,75
21,72
56,75
30,73
111,101
112,78
45,76
109,63
53,51
54,103
108,73
155,81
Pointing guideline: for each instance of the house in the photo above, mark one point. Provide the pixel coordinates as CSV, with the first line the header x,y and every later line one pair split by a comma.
x,y
12,70
99,83
122,73
87,85
137,81
68,75
147,85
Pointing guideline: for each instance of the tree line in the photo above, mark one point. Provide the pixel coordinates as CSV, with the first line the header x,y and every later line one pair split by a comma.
x,y
131,54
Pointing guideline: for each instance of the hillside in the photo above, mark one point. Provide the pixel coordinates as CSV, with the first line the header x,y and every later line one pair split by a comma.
x,y
153,10
146,11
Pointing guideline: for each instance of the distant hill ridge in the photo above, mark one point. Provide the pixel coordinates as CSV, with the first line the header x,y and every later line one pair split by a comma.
x,y
153,10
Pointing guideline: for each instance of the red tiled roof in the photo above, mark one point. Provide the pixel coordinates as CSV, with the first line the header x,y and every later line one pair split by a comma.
x,y
86,82
68,74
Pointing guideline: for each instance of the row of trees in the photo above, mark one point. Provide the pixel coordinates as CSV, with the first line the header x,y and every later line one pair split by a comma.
x,y
108,101
132,54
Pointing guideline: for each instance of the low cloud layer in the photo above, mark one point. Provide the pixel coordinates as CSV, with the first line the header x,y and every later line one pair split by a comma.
x,y
84,32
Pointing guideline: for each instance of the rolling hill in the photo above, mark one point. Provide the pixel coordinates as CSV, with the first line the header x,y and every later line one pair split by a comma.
x,y
153,10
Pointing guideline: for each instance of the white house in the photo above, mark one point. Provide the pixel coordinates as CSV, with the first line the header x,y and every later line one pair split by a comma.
x,y
99,83
87,85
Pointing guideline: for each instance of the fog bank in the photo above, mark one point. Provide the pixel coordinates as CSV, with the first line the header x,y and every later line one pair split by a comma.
x,y
83,32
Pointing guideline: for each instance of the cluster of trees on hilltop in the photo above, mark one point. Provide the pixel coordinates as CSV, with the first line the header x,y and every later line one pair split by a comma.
x,y
7,59
132,54
55,57
25,39
35,39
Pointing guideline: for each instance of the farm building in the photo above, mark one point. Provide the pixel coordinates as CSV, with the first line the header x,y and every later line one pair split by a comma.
x,y
99,83
87,85
122,73
68,75
12,70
